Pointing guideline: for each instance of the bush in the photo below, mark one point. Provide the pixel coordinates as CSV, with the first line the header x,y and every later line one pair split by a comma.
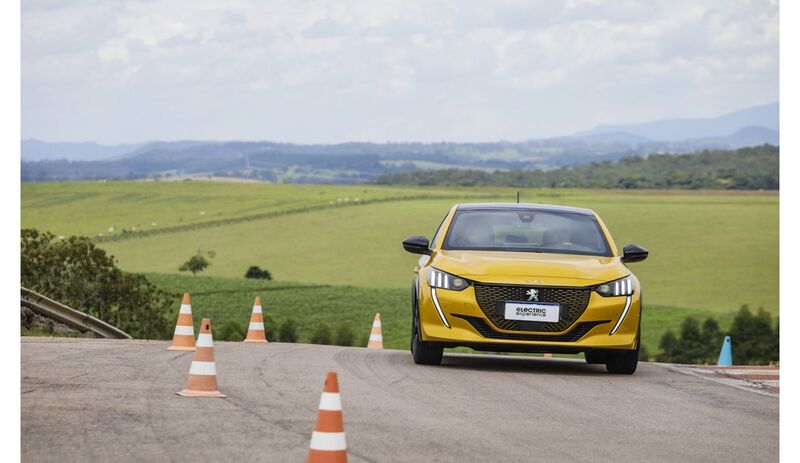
x,y
76,273
754,340
321,335
256,273
713,339
270,328
231,331
669,346
693,347
288,331
345,336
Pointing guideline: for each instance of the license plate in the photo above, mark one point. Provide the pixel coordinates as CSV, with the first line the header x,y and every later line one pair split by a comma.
x,y
532,311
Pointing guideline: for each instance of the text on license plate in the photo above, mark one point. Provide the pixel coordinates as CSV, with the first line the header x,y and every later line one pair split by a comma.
x,y
532,312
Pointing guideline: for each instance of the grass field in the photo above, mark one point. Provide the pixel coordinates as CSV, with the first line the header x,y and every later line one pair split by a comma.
x,y
710,253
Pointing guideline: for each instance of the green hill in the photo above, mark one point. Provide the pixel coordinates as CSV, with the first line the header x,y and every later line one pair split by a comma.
x,y
710,251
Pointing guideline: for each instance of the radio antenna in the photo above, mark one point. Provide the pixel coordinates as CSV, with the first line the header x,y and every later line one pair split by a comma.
x,y
517,196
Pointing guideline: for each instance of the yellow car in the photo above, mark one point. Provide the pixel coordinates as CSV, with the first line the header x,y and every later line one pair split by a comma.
x,y
526,278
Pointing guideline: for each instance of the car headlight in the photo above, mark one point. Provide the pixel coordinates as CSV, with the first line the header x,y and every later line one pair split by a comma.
x,y
621,287
443,280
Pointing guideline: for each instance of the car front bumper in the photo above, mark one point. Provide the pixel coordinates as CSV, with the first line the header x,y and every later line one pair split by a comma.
x,y
455,319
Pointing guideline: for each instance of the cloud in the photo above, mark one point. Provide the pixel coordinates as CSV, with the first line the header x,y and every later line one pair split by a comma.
x,y
315,71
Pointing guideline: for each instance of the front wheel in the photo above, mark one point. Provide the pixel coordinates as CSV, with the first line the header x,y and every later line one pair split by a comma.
x,y
423,353
625,362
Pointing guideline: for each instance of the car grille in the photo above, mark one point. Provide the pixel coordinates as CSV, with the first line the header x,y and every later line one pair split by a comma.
x,y
573,335
491,300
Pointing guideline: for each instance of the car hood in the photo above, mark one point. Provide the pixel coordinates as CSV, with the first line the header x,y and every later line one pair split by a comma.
x,y
530,267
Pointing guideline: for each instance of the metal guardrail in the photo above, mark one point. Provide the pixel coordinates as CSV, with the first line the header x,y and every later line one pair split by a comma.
x,y
76,319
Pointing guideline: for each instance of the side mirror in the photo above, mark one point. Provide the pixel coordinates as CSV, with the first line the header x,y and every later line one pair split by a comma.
x,y
417,245
633,253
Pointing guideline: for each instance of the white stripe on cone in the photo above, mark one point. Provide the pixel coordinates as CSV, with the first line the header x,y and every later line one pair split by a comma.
x,y
376,323
375,337
205,340
257,326
256,309
185,330
330,401
203,369
186,308
328,441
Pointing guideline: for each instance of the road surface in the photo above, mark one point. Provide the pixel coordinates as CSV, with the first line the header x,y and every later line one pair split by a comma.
x,y
114,400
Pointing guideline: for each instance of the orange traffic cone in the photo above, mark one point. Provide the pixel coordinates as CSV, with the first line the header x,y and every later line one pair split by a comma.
x,y
184,328
203,373
376,338
255,333
328,444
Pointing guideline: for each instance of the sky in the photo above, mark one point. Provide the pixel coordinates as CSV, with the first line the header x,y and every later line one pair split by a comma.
x,y
342,70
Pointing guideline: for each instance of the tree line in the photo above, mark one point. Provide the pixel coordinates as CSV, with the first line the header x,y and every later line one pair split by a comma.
x,y
753,168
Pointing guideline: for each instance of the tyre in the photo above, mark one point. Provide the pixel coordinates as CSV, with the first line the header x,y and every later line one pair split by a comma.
x,y
595,357
625,362
423,353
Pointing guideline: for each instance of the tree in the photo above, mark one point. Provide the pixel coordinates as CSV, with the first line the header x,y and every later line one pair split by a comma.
x,y
712,338
76,273
196,263
321,335
692,347
256,272
288,331
669,346
754,341
344,335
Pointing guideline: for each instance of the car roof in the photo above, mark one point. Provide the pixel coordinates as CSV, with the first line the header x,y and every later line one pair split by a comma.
x,y
523,207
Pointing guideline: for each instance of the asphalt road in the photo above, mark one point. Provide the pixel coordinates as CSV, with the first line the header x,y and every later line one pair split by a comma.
x,y
103,400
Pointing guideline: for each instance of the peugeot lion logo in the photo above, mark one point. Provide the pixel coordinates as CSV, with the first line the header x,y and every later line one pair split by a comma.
x,y
533,295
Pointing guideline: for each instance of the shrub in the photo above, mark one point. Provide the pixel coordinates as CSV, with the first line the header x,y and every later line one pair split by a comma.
x,y
345,336
713,339
256,272
321,335
754,340
270,328
288,331
231,331
668,345
76,273
693,347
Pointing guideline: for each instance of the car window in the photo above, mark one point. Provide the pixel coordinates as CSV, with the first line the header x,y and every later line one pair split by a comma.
x,y
525,230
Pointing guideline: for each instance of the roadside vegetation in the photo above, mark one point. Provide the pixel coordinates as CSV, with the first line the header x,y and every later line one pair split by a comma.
x,y
754,337
75,272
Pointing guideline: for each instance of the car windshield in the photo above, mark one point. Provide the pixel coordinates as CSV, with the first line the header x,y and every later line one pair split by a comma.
x,y
527,231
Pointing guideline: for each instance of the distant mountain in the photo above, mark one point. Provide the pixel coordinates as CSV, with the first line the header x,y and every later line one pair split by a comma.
x,y
359,162
747,136
766,116
37,150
